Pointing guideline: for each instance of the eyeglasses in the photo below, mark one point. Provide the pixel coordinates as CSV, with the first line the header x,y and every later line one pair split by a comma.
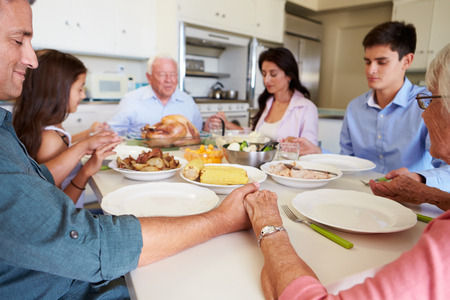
x,y
424,100
164,75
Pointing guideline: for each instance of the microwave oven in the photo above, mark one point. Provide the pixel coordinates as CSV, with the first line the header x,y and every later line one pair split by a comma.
x,y
105,86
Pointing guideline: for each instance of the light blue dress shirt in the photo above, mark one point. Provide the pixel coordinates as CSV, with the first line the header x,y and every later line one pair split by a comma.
x,y
141,107
48,248
393,137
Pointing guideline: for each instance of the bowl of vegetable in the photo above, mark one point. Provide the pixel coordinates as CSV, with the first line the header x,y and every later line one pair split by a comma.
x,y
249,154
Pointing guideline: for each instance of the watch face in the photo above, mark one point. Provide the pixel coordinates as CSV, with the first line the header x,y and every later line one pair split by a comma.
x,y
268,229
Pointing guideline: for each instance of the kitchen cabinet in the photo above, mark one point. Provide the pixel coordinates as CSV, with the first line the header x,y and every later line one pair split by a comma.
x,y
430,17
260,18
269,20
230,15
88,113
101,27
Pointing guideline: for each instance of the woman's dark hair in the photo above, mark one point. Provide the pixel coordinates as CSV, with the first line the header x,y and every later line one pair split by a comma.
x,y
399,36
284,59
45,97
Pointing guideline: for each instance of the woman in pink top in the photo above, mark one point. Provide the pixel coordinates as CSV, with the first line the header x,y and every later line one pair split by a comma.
x,y
284,108
421,273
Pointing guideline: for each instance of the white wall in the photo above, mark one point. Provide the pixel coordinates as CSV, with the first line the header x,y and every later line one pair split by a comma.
x,y
342,75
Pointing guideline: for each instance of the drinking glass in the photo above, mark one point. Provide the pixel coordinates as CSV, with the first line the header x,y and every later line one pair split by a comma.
x,y
288,151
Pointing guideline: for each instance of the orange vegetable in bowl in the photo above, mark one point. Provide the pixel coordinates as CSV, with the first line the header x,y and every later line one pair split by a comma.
x,y
207,154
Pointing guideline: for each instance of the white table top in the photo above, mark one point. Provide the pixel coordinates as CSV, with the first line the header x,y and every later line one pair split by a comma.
x,y
229,266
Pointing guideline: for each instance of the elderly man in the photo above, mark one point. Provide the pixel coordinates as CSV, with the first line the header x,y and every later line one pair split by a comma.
x,y
148,104
51,250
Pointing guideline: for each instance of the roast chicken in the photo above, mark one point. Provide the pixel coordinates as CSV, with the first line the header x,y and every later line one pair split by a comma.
x,y
174,130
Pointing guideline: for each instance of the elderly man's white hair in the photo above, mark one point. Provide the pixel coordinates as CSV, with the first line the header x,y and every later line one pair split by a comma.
x,y
159,56
438,76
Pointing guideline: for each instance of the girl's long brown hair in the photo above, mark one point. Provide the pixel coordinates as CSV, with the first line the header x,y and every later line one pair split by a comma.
x,y
45,96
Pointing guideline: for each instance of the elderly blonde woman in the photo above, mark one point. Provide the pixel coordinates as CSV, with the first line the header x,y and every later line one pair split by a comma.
x,y
422,272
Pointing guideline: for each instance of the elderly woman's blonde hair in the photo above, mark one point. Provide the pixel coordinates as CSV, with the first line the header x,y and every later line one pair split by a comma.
x,y
152,60
438,76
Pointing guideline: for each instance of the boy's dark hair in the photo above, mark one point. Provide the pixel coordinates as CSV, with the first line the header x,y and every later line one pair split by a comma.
x,y
399,36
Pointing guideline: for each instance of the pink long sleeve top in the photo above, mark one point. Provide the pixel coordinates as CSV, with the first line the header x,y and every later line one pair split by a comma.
x,y
301,119
421,273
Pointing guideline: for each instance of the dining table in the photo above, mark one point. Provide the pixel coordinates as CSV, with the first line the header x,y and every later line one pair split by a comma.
x,y
229,266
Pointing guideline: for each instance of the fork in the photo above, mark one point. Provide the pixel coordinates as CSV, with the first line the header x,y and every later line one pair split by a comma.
x,y
335,238
366,182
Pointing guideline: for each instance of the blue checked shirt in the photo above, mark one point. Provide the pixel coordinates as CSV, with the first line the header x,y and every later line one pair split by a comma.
x,y
49,249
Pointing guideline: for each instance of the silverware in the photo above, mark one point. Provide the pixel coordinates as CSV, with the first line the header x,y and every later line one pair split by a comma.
x,y
335,238
366,182
292,167
425,219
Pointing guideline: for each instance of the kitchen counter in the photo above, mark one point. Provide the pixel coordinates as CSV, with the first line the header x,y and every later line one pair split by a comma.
x,y
102,102
331,113
201,100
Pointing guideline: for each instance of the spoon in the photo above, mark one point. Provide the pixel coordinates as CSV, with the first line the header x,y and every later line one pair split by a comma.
x,y
292,167
269,143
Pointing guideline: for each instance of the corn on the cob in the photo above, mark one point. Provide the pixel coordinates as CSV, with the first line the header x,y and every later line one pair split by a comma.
x,y
223,175
193,168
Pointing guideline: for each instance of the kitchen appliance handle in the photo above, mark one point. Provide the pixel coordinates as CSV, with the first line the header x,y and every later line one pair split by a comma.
x,y
218,36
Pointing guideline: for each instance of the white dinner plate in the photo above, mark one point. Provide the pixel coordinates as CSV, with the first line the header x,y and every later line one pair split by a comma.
x,y
298,182
354,211
254,175
147,176
159,199
347,164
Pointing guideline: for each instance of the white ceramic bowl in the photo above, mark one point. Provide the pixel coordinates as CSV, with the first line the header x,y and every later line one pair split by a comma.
x,y
134,151
298,182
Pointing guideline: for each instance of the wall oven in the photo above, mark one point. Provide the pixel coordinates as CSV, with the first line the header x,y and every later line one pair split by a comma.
x,y
236,111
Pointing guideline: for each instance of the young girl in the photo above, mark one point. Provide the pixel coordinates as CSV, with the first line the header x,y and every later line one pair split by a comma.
x,y
50,93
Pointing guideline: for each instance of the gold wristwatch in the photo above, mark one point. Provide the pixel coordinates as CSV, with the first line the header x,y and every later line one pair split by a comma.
x,y
268,230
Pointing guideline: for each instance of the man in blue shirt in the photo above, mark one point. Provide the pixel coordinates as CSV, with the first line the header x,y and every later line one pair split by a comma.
x,y
384,125
148,104
51,250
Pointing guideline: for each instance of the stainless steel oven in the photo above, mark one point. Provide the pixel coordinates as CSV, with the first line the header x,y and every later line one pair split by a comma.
x,y
236,112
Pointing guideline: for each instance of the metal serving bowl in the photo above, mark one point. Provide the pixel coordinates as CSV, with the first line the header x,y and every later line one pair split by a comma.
x,y
254,159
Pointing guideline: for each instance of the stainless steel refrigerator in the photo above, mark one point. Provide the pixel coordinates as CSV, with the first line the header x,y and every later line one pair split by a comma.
x,y
303,38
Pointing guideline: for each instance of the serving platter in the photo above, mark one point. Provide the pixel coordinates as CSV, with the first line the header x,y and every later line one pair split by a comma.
x,y
299,182
354,211
347,164
254,175
134,151
159,199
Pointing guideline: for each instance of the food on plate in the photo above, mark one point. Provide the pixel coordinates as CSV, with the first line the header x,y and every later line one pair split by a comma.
x,y
171,130
207,154
246,147
294,170
193,169
223,175
150,161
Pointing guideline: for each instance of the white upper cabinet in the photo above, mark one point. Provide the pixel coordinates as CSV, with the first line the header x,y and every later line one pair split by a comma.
x,y
230,15
269,20
101,27
430,17
260,18
135,25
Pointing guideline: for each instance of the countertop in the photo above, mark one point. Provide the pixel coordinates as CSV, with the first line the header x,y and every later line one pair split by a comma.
x,y
331,113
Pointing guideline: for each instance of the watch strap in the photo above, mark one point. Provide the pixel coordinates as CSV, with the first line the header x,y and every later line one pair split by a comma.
x,y
269,230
